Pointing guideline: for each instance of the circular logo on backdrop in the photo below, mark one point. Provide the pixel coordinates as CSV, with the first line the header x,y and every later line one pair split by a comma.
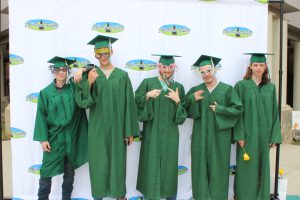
x,y
108,27
79,62
182,170
17,133
41,25
237,32
35,169
174,30
33,97
263,1
15,59
141,65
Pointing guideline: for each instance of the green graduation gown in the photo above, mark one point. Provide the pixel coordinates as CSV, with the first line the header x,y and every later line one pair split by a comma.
x,y
158,165
211,139
64,125
259,126
112,118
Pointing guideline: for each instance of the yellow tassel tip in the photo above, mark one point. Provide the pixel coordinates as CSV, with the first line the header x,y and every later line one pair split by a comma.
x,y
246,157
281,172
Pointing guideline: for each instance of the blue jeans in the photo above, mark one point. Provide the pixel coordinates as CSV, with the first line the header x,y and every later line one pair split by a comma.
x,y
67,186
171,198
168,198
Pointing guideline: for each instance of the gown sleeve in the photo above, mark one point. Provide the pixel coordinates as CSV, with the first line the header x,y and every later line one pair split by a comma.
x,y
180,110
131,119
41,127
83,94
275,137
239,130
227,116
193,107
144,107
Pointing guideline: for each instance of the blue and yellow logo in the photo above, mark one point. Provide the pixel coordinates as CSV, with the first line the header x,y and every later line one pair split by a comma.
x,y
108,27
41,25
182,170
232,170
35,169
237,32
16,198
15,59
136,198
79,62
141,65
17,133
33,97
174,30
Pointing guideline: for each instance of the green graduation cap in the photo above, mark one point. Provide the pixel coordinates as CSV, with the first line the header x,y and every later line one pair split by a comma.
x,y
102,43
166,59
204,60
61,62
258,57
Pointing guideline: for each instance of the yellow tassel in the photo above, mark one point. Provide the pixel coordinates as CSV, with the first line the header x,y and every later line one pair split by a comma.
x,y
246,156
281,172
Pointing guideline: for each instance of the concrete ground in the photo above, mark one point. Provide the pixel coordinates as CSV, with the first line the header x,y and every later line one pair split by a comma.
x,y
289,161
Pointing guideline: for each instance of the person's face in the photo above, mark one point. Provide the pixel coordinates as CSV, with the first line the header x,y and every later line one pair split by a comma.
x,y
103,58
60,73
258,69
167,71
207,73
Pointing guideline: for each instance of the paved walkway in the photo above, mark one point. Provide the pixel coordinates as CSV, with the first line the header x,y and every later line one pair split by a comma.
x,y
289,161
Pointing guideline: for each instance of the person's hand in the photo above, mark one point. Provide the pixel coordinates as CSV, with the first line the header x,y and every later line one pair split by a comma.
x,y
213,106
153,94
46,146
128,140
78,75
92,76
174,95
241,143
198,95
272,145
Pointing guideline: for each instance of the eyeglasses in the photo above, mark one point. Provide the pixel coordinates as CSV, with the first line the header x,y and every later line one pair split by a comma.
x,y
62,69
99,55
209,71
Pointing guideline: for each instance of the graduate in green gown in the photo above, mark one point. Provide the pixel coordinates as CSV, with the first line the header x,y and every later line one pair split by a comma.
x,y
160,108
215,108
107,92
61,127
256,132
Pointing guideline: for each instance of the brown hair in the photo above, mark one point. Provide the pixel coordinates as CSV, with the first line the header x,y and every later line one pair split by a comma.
x,y
265,76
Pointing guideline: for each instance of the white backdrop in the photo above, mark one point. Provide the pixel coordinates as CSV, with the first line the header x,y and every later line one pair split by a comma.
x,y
41,29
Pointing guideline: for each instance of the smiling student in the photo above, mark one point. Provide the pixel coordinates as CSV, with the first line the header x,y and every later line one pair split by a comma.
x,y
215,108
61,128
107,92
160,108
